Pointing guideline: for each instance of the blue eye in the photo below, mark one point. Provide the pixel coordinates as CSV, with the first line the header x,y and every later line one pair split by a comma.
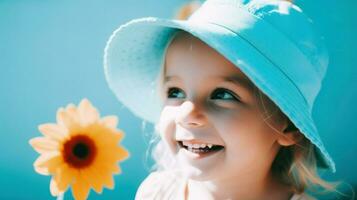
x,y
224,94
175,93
219,93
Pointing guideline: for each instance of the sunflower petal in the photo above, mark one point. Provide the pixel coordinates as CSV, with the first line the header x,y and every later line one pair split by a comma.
x,y
118,136
80,188
72,111
108,181
94,179
71,108
59,117
116,169
105,137
64,177
88,114
53,131
112,167
121,153
110,121
100,135
42,171
54,188
66,119
106,177
48,162
43,145
112,155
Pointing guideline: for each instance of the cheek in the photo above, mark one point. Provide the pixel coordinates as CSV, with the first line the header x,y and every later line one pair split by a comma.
x,y
234,122
245,135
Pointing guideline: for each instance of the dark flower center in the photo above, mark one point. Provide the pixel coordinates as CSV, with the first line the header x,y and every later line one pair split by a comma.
x,y
79,151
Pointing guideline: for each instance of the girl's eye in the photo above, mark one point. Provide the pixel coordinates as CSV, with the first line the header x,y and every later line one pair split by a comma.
x,y
220,93
175,93
224,94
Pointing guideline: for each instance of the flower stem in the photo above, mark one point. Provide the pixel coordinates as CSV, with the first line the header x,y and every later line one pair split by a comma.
x,y
60,197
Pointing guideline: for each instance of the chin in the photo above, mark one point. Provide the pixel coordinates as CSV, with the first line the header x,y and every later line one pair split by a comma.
x,y
196,174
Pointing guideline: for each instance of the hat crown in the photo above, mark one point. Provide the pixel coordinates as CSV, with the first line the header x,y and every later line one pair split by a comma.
x,y
289,25
291,20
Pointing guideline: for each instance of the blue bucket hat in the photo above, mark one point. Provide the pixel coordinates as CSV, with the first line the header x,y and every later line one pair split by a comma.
x,y
272,42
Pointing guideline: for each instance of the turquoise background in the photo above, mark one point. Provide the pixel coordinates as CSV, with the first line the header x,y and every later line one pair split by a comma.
x,y
51,54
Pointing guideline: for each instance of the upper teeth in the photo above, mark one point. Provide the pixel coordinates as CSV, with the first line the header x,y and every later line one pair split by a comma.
x,y
202,145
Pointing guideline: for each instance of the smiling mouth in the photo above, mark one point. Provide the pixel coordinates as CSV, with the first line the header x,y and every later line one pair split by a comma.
x,y
200,148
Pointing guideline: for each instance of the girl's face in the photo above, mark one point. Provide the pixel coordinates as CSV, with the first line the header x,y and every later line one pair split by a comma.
x,y
210,101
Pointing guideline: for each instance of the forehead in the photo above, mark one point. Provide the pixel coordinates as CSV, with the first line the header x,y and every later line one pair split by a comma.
x,y
188,56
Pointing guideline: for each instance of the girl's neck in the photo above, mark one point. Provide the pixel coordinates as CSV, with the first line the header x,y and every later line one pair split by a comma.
x,y
238,188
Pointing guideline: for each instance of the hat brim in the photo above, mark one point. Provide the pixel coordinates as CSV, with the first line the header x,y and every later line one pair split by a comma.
x,y
134,56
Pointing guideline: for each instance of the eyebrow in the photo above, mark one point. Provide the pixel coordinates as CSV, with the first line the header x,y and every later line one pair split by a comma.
x,y
237,80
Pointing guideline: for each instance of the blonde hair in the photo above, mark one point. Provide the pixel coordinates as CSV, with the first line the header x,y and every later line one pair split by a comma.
x,y
295,165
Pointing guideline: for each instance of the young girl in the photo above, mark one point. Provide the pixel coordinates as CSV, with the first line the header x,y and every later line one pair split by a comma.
x,y
230,91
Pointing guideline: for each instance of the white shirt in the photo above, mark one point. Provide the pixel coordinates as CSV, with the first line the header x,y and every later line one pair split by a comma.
x,y
166,185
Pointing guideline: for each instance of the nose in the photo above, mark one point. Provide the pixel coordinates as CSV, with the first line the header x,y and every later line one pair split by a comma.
x,y
190,115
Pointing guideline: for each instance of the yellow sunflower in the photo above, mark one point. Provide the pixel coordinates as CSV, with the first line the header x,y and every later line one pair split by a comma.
x,y
80,150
